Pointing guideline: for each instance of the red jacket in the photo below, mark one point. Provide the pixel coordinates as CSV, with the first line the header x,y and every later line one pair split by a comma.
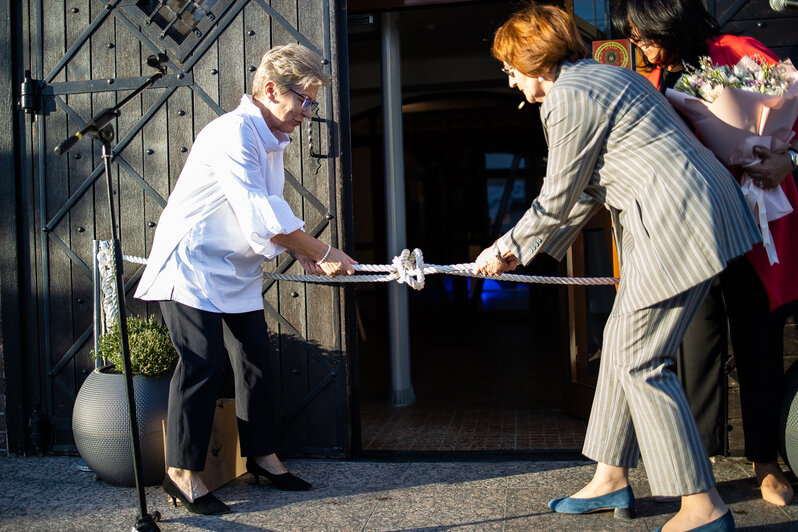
x,y
781,279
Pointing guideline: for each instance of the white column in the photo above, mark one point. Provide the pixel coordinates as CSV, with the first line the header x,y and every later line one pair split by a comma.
x,y
401,387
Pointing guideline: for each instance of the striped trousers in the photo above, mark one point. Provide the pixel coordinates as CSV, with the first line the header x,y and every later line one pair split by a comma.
x,y
640,407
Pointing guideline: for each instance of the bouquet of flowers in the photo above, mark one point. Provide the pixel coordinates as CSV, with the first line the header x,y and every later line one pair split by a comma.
x,y
737,108
708,80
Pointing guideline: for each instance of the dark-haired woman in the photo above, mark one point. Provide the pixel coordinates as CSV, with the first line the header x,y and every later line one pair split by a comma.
x,y
671,33
614,142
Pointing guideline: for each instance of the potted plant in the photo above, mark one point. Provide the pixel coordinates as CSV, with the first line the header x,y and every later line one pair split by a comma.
x,y
100,422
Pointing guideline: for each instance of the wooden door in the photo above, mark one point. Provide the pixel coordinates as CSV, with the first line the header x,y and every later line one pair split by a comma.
x,y
591,255
85,55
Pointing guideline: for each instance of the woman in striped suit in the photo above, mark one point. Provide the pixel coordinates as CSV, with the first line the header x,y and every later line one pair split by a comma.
x,y
615,142
752,292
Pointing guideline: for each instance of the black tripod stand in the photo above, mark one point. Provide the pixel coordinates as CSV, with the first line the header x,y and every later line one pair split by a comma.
x,y
100,128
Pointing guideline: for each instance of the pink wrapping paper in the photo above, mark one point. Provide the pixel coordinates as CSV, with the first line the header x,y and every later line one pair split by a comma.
x,y
732,125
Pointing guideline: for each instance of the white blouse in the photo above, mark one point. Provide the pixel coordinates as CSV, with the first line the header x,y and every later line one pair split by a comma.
x,y
216,228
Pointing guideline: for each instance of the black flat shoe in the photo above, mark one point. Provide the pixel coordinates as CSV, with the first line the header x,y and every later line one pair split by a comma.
x,y
208,504
285,481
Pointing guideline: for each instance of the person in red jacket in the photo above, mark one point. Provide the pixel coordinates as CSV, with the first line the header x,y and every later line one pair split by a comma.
x,y
752,293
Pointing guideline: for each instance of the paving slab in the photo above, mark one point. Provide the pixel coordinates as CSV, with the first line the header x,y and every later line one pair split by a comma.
x,y
51,493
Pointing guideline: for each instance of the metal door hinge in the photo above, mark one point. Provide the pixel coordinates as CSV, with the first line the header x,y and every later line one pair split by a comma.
x,y
30,93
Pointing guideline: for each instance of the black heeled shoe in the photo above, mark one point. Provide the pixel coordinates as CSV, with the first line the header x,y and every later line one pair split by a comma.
x,y
208,504
285,481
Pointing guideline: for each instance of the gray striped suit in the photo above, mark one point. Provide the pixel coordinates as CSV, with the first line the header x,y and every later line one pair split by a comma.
x,y
679,217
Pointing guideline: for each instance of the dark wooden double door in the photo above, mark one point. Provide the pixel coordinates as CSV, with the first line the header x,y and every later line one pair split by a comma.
x,y
81,56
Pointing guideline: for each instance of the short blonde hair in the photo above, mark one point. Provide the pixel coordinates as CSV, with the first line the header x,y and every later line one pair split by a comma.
x,y
291,66
537,39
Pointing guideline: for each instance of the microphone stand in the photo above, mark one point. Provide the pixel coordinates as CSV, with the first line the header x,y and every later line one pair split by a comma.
x,y
100,128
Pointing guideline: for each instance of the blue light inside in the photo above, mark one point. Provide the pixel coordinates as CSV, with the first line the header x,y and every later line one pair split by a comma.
x,y
496,295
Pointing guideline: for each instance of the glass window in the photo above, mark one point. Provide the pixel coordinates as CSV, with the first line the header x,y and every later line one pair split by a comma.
x,y
501,161
176,18
596,12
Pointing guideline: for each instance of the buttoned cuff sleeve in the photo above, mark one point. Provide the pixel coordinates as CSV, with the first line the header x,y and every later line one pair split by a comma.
x,y
269,216
525,247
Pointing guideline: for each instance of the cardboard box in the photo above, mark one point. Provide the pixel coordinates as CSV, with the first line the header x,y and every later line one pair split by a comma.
x,y
224,461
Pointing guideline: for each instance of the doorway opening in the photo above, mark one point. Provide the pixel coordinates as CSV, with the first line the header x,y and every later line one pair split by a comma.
x,y
489,360
492,364
486,357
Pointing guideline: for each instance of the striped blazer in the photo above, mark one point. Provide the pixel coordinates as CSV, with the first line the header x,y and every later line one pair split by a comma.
x,y
615,141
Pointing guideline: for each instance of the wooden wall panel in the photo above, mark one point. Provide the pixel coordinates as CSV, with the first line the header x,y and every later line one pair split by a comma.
x,y
755,18
130,57
293,359
58,288
231,68
205,78
323,316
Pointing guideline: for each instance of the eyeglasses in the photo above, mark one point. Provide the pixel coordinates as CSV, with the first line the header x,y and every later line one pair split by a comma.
x,y
510,71
308,103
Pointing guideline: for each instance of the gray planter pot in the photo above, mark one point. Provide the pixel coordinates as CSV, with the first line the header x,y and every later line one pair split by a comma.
x,y
788,429
102,430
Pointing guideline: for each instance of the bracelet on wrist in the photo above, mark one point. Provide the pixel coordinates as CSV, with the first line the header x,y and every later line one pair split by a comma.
x,y
326,254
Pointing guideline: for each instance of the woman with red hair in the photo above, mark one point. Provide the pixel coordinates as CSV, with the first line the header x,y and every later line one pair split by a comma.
x,y
615,142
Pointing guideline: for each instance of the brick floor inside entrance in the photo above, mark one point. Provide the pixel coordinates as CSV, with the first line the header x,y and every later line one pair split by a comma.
x,y
427,427
444,420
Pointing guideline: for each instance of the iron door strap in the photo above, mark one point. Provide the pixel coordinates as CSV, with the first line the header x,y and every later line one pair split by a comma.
x,y
180,79
32,90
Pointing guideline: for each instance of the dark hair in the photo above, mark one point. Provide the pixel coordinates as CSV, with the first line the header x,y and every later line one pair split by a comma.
x,y
537,39
680,27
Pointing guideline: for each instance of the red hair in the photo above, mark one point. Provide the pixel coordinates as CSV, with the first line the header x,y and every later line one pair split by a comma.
x,y
537,39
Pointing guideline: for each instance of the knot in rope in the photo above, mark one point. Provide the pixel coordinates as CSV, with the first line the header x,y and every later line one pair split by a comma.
x,y
409,270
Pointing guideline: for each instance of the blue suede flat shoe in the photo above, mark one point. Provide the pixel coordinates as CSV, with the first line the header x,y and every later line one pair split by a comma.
x,y
622,501
724,523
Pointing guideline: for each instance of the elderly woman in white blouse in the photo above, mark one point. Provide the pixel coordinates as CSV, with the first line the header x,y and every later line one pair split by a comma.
x,y
226,216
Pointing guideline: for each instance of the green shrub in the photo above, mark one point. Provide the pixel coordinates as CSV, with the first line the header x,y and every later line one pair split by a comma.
x,y
151,349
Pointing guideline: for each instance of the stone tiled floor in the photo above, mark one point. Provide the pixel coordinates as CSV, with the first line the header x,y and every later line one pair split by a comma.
x,y
435,427
50,493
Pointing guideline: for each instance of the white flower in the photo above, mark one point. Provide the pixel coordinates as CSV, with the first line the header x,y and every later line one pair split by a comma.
x,y
739,71
709,92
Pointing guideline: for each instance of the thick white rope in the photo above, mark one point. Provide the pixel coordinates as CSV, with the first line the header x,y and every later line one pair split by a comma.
x,y
411,270
110,303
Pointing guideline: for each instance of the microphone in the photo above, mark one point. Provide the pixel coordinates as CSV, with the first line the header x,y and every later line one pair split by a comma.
x,y
96,124
781,5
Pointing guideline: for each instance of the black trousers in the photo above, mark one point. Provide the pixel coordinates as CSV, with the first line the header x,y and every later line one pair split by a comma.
x,y
701,367
204,340
757,338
